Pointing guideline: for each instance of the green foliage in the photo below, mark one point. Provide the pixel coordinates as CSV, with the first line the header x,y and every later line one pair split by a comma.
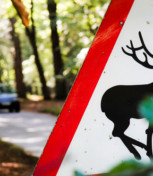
x,y
130,168
85,16
78,173
52,110
77,23
6,62
146,109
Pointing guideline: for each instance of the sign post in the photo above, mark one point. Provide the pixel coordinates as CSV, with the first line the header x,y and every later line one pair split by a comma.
x,y
100,124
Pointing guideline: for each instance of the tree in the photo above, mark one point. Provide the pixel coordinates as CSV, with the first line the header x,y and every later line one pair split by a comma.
x,y
57,57
0,73
20,86
31,33
6,61
73,30
78,21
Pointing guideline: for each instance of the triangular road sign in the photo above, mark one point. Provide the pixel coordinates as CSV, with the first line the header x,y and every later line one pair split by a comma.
x,y
100,124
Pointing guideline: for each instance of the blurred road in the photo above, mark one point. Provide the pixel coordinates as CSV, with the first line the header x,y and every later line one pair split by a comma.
x,y
27,130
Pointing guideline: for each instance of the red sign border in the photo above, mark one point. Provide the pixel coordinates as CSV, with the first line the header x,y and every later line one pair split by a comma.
x,y
83,88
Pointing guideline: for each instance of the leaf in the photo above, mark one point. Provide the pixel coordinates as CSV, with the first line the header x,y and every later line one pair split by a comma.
x,y
145,109
126,166
78,173
19,6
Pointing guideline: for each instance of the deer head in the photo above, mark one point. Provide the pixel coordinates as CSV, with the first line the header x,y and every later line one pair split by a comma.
x,y
134,50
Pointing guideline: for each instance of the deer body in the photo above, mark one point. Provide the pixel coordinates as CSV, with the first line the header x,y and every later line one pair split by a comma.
x,y
121,103
125,100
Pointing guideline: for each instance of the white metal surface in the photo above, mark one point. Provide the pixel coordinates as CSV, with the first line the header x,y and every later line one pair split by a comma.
x,y
93,149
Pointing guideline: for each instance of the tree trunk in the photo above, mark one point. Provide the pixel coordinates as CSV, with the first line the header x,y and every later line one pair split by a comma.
x,y
0,73
57,58
0,79
20,86
58,64
32,38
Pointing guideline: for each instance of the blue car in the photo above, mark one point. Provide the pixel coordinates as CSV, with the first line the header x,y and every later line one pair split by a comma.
x,y
8,99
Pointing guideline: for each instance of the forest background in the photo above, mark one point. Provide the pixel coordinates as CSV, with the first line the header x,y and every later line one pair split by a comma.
x,y
43,55
42,47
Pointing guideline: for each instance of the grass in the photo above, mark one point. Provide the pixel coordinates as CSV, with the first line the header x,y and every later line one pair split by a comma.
x,y
14,161
53,110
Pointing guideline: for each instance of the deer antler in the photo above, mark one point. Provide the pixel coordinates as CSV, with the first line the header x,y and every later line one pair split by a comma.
x,y
134,55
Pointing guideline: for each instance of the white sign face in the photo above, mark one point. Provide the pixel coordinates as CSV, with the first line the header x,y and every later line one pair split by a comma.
x,y
102,138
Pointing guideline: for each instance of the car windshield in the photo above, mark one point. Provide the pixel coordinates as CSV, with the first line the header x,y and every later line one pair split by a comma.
x,y
6,89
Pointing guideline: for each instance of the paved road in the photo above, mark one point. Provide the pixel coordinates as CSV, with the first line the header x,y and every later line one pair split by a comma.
x,y
27,130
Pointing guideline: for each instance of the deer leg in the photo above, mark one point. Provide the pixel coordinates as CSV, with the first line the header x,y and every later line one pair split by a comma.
x,y
130,147
119,129
149,132
135,142
128,143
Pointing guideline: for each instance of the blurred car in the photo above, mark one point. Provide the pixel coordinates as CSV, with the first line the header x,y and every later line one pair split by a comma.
x,y
8,99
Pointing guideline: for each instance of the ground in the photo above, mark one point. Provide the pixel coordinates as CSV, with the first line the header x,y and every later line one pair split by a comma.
x,y
41,106
13,160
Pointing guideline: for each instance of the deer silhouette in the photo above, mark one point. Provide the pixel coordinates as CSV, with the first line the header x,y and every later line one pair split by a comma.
x,y
120,103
